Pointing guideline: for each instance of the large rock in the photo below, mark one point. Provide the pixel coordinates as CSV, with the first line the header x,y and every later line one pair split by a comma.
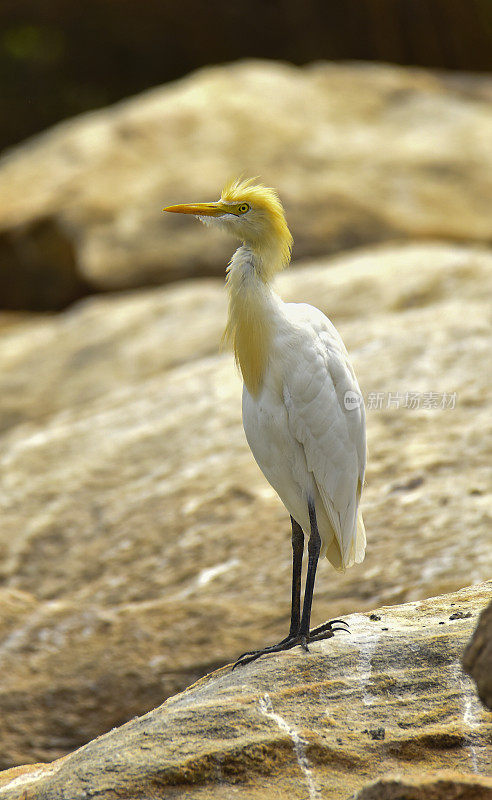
x,y
445,786
390,698
359,153
111,341
46,73
140,546
477,659
104,343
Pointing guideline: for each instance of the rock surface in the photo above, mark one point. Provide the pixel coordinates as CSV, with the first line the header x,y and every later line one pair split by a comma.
x,y
477,659
140,547
389,698
44,50
359,153
447,786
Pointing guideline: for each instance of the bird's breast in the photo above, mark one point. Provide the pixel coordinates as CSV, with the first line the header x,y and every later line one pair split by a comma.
x,y
278,454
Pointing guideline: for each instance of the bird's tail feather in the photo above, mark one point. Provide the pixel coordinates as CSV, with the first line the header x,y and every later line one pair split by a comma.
x,y
357,549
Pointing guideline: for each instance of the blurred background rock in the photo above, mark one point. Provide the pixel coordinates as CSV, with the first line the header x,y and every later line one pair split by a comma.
x,y
59,58
361,153
132,549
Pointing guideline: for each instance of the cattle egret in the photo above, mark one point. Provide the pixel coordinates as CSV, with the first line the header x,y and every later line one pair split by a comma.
x,y
303,413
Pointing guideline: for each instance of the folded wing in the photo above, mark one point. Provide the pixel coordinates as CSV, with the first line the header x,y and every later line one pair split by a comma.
x,y
326,416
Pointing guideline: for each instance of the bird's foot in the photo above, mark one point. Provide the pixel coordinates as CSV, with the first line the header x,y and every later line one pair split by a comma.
x,y
325,631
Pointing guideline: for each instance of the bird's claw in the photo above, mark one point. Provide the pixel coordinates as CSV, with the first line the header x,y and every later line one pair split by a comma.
x,y
332,626
325,631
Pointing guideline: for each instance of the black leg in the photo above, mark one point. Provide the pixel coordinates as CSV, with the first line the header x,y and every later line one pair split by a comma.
x,y
295,612
299,626
297,553
314,547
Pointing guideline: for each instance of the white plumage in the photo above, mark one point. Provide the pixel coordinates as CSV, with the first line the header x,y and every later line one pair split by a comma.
x,y
303,413
304,439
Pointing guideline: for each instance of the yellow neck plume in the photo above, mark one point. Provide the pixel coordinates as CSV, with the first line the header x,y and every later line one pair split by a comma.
x,y
265,251
249,326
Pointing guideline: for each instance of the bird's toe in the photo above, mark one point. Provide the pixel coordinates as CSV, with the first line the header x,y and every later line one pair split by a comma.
x,y
286,644
325,631
329,628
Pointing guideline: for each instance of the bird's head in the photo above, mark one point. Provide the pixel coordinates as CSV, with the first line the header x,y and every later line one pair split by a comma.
x,y
251,212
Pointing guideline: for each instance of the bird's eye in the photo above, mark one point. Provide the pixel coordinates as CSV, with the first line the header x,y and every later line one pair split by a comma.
x,y
243,208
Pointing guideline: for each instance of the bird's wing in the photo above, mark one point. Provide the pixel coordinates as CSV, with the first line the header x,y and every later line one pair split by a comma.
x,y
331,431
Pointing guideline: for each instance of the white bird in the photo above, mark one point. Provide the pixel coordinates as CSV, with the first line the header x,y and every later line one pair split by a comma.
x,y
303,413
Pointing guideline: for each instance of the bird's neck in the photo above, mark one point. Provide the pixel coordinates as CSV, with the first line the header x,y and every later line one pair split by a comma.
x,y
250,323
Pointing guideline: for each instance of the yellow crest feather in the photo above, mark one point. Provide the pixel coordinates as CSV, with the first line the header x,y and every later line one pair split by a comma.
x,y
275,244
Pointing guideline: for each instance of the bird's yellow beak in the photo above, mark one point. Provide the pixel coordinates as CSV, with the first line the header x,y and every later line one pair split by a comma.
x,y
199,209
